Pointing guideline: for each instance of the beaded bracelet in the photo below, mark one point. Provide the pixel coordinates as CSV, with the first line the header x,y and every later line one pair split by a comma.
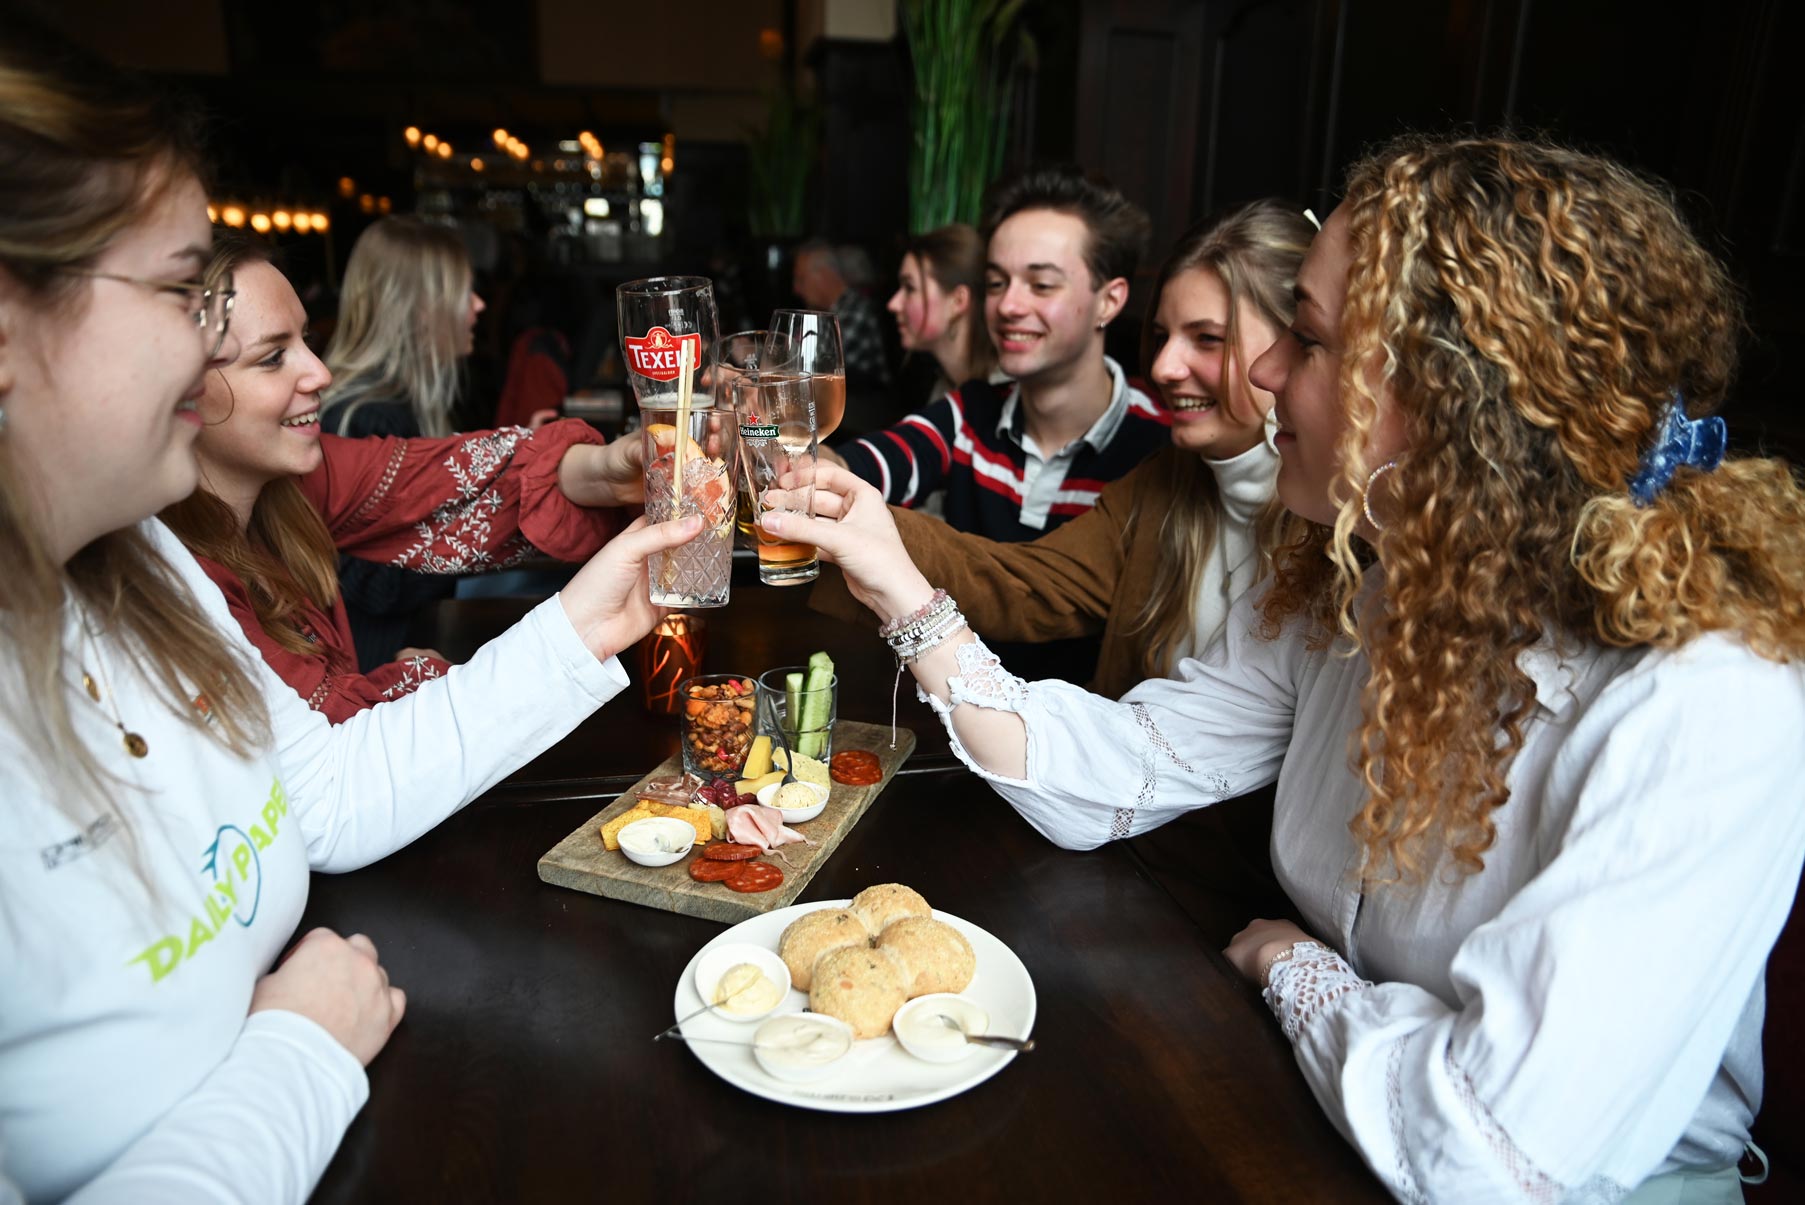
x,y
896,625
928,638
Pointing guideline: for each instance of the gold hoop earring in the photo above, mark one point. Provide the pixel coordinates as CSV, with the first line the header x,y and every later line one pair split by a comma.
x,y
1366,495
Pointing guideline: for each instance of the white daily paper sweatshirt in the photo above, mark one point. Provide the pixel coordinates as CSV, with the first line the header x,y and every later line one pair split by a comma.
x,y
127,1062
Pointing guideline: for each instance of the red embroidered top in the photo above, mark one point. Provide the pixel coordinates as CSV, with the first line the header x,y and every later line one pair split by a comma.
x,y
468,503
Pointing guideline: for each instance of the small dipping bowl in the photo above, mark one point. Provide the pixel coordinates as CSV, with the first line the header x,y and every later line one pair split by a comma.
x,y
768,797
923,1034
784,1046
657,840
715,965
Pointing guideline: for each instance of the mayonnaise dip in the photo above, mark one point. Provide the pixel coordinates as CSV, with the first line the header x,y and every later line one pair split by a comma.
x,y
800,1043
922,1026
745,989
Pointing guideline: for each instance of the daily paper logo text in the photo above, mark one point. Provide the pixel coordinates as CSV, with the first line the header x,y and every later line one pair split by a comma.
x,y
233,863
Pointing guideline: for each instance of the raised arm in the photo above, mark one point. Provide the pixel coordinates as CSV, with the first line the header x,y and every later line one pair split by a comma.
x,y
907,462
1052,588
476,501
1081,768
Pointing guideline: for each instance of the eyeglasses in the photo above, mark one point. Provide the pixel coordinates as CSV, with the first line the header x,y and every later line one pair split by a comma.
x,y
211,309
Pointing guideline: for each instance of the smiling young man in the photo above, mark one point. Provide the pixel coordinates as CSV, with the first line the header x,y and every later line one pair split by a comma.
x,y
1018,459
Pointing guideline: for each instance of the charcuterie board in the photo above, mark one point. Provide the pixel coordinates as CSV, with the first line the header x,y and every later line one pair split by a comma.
x,y
581,863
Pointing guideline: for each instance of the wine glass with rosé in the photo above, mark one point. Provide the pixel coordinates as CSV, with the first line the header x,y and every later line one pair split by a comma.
x,y
820,356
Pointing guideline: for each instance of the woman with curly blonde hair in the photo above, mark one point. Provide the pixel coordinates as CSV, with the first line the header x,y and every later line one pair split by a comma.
x,y
1538,895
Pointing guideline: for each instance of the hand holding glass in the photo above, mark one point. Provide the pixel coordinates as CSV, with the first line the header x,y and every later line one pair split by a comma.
x,y
778,443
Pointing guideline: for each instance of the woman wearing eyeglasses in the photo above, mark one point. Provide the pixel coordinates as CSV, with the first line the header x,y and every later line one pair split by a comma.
x,y
279,501
164,797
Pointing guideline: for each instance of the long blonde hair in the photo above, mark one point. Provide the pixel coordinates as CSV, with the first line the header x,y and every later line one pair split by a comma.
x,y
1530,309
287,559
401,320
1255,250
84,151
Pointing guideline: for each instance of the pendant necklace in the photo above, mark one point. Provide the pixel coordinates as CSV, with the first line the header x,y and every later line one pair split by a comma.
x,y
135,745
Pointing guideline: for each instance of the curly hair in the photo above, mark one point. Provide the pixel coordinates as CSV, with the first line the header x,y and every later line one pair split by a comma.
x,y
1529,310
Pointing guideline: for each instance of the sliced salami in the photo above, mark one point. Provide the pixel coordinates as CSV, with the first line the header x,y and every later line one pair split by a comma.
x,y
730,851
752,877
704,871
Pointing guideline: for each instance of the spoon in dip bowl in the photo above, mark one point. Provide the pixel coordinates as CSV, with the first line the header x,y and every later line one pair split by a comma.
x,y
988,1039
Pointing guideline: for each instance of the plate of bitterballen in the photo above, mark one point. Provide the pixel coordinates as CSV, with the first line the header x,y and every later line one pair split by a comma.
x,y
859,971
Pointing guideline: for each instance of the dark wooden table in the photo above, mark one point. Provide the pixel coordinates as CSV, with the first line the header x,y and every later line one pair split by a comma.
x,y
525,1069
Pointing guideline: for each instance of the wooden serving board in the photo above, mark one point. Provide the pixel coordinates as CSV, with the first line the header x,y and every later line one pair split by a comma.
x,y
580,862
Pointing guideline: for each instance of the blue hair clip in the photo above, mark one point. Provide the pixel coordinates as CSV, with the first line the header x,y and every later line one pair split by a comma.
x,y
1698,443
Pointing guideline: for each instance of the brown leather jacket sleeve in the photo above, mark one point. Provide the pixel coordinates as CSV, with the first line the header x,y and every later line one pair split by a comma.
x,y
1055,587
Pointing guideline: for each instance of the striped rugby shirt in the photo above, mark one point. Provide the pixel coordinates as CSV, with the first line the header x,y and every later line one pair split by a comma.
x,y
972,444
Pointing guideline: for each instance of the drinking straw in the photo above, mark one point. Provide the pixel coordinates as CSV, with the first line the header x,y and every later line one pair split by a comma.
x,y
682,449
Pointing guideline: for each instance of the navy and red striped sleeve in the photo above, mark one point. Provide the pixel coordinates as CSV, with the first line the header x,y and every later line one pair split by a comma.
x,y
910,460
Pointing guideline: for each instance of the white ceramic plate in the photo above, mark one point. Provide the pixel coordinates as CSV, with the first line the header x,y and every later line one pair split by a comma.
x,y
879,1076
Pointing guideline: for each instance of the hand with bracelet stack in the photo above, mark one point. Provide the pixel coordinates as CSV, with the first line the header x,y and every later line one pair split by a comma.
x,y
853,528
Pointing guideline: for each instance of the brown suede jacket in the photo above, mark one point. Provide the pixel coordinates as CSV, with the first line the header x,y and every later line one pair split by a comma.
x,y
1092,574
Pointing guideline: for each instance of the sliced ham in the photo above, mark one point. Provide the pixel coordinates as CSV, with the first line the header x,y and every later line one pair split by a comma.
x,y
756,824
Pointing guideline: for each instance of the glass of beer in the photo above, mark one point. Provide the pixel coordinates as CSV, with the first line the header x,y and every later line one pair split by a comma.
x,y
820,356
778,443
659,317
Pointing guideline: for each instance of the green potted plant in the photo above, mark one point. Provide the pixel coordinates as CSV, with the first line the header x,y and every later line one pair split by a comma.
x,y
965,55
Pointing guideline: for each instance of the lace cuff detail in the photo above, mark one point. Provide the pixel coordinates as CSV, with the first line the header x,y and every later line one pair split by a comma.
x,y
982,682
1301,986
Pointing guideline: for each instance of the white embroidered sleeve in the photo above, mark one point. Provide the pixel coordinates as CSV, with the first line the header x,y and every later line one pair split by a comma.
x,y
1304,983
981,682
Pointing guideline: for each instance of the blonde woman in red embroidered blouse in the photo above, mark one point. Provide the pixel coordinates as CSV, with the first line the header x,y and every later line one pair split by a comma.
x,y
278,499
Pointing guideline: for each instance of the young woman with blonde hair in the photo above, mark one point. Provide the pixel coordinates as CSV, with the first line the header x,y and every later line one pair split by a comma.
x,y
1529,684
1155,565
406,319
165,797
279,500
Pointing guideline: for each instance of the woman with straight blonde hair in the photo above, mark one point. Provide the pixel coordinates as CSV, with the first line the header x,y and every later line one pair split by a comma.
x,y
1529,682
279,500
164,797
1155,565
406,320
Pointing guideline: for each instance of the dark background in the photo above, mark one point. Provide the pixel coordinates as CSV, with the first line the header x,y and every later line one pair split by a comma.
x,y
1189,105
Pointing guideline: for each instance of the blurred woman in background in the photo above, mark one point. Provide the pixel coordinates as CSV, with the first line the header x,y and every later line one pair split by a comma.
x,y
939,304
406,321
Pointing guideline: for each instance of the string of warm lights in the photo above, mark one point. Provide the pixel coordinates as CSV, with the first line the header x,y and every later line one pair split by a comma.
x,y
281,220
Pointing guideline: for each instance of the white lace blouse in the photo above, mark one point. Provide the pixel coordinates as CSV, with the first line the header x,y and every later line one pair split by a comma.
x,y
1583,1013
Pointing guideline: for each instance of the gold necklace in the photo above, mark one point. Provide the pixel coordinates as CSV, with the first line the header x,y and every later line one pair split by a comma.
x,y
135,745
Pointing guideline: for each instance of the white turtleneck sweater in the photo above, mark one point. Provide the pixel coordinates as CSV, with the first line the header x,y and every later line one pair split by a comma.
x,y
1244,484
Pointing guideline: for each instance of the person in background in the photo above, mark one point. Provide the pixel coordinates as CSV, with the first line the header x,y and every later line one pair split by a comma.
x,y
820,281
939,304
406,321
1155,566
1529,683
279,500
1018,460
165,797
